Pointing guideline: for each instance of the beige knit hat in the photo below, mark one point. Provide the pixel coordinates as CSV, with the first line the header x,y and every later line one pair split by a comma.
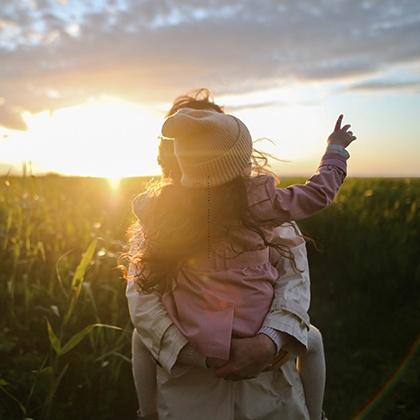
x,y
212,148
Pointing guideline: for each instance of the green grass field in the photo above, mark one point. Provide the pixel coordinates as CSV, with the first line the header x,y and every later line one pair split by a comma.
x,y
62,357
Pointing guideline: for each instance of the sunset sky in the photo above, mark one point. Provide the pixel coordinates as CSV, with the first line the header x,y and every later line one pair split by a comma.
x,y
84,85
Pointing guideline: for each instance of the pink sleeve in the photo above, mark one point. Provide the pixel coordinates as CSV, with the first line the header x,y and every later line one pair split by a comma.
x,y
296,202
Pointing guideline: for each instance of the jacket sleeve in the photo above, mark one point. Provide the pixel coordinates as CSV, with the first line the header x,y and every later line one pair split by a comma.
x,y
289,309
276,205
156,329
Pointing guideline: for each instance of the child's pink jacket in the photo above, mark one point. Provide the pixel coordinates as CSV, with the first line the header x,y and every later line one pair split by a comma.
x,y
223,295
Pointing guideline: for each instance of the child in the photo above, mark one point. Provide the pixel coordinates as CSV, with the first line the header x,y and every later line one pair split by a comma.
x,y
215,150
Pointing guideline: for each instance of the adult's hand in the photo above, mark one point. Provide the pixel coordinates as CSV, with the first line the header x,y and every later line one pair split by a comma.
x,y
248,357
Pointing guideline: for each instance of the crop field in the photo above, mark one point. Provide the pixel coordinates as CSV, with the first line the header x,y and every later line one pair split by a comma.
x,y
64,325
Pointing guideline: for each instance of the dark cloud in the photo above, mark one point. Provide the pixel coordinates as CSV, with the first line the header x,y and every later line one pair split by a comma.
x,y
248,105
151,50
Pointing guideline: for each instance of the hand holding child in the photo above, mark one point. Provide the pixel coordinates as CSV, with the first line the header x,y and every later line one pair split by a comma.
x,y
249,357
340,135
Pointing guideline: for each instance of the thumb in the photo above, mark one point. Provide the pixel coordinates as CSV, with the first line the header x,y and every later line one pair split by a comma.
x,y
226,369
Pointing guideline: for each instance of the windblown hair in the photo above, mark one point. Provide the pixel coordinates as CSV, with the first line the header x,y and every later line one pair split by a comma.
x,y
176,219
196,99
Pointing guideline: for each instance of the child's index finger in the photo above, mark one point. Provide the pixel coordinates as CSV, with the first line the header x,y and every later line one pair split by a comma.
x,y
338,123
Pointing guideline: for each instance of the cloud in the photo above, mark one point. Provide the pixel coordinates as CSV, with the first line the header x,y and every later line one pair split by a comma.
x,y
254,105
152,50
384,85
11,118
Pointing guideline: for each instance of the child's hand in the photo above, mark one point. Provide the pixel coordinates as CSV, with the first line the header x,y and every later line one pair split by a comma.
x,y
340,135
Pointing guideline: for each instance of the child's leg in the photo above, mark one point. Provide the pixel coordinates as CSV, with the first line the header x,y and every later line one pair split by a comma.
x,y
144,373
311,367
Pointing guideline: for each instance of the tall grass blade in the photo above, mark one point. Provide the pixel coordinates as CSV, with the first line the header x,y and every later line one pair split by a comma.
x,y
78,278
79,274
78,337
3,383
53,390
54,340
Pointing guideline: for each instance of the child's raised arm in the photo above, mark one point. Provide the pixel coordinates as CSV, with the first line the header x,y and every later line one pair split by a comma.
x,y
276,205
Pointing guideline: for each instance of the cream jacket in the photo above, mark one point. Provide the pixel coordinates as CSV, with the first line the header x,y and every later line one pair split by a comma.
x,y
194,392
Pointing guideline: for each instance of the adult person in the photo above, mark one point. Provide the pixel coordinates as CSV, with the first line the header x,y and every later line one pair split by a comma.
x,y
249,356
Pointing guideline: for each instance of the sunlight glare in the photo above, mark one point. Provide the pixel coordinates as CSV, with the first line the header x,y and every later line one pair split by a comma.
x,y
105,136
114,182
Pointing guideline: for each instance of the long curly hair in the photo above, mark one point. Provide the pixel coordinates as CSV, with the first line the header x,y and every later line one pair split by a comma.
x,y
177,222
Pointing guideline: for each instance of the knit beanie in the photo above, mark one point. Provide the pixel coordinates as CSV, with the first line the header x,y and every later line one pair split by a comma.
x,y
212,148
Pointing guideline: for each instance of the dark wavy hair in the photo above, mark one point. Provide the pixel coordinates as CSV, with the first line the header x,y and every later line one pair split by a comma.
x,y
177,221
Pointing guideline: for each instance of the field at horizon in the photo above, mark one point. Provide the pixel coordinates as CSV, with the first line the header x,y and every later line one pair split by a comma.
x,y
65,330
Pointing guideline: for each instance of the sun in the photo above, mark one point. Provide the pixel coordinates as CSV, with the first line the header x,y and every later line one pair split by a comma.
x,y
114,182
106,137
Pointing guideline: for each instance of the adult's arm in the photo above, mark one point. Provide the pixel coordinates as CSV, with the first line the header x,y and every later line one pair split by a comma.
x,y
288,318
